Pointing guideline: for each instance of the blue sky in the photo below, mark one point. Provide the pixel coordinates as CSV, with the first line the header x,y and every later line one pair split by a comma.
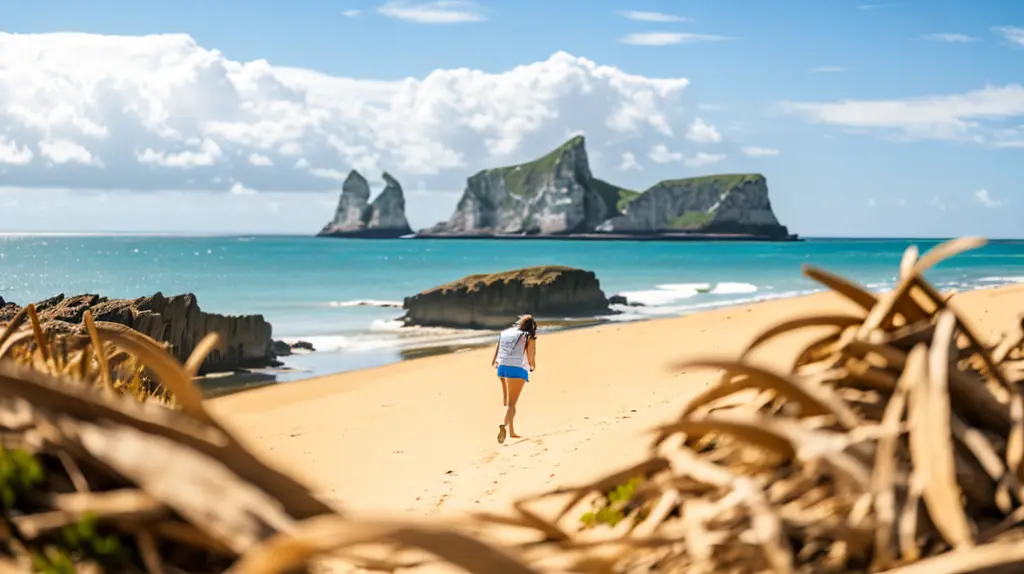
x,y
935,146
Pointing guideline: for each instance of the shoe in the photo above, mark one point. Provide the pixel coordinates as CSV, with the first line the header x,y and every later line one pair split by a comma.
x,y
501,434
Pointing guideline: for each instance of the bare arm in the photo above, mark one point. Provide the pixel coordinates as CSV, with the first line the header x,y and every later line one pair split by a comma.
x,y
494,359
531,353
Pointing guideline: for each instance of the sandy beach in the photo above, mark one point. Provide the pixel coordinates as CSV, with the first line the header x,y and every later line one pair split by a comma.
x,y
418,438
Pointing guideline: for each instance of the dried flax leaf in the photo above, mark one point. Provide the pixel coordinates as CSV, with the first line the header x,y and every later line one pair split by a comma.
x,y
814,400
839,322
931,444
883,477
318,536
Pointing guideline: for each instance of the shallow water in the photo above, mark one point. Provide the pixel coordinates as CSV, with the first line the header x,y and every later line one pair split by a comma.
x,y
342,295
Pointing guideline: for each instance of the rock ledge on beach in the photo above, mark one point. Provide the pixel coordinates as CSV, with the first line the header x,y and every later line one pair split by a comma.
x,y
495,300
176,320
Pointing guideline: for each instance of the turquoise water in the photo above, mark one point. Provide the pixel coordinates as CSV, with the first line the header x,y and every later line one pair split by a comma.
x,y
309,288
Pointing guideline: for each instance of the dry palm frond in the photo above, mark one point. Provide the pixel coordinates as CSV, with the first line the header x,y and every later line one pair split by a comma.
x,y
895,444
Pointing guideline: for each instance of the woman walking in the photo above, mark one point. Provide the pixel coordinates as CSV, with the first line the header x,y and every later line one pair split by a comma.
x,y
515,357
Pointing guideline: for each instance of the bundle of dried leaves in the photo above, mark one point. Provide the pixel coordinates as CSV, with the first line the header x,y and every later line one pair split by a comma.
x,y
93,477
895,444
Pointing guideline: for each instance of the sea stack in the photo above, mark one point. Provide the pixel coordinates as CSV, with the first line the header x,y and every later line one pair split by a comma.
x,y
357,217
557,195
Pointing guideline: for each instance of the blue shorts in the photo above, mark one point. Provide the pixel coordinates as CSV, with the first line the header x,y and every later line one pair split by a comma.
x,y
507,372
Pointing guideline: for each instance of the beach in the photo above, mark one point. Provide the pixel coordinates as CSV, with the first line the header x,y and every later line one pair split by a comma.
x,y
417,439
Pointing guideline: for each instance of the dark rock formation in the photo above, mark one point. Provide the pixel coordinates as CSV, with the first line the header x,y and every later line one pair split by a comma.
x,y
176,320
557,195
357,217
496,300
727,204
283,349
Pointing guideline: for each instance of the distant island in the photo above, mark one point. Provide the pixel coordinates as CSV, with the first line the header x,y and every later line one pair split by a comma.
x,y
557,197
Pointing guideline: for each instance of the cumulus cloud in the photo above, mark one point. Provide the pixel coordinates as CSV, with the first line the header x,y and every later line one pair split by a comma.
x,y
1011,33
61,151
701,159
668,38
982,196
260,159
350,13
950,37
161,112
661,154
629,162
703,132
238,189
754,151
971,116
439,12
13,154
641,16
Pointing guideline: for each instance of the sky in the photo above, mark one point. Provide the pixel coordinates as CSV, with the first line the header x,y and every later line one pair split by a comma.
x,y
881,119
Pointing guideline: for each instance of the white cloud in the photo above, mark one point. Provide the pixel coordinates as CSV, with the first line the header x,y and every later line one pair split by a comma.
x,y
13,154
661,154
702,159
825,70
629,162
260,159
982,196
754,151
207,154
1011,33
61,151
641,16
439,12
668,38
970,116
328,173
165,113
238,189
703,132
937,203
350,13
951,38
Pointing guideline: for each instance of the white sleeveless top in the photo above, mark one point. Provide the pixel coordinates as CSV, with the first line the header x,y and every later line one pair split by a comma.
x,y
512,348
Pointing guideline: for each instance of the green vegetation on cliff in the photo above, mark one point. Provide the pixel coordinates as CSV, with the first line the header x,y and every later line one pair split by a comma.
x,y
518,178
690,220
615,197
540,275
724,180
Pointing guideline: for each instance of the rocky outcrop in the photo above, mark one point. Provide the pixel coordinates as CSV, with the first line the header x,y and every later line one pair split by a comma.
x,y
496,300
176,320
553,195
355,216
725,204
557,195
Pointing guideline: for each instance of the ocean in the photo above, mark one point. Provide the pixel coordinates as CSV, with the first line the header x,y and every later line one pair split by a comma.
x,y
342,295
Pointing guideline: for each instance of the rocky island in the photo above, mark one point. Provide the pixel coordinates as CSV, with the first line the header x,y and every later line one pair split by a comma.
x,y
557,196
492,301
357,217
176,320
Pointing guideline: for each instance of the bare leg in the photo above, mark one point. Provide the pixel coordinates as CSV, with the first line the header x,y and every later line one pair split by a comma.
x,y
504,391
515,388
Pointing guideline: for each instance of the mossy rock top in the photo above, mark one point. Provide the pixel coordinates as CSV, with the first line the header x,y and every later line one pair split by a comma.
x,y
528,276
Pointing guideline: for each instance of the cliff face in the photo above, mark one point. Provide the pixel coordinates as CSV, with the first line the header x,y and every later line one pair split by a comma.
x,y
552,195
734,204
357,217
558,195
176,320
496,300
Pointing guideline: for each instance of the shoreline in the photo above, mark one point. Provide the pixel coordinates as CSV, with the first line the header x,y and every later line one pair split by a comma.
x,y
416,438
292,370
